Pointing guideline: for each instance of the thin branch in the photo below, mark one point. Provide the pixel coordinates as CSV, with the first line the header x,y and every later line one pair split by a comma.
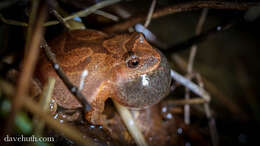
x,y
231,106
149,36
177,8
44,102
86,12
72,88
28,64
106,15
191,62
12,22
82,13
194,47
60,18
195,40
190,85
196,100
150,14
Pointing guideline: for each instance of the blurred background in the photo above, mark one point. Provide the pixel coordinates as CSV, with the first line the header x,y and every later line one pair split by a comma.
x,y
227,61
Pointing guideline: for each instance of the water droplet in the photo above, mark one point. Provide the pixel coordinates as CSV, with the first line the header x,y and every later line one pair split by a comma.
x,y
131,122
55,116
169,116
56,66
219,28
164,109
179,130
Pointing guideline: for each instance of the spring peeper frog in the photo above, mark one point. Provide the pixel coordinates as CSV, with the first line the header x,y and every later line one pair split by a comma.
x,y
123,67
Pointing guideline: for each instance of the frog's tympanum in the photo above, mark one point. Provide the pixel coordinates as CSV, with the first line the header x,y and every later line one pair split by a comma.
x,y
123,67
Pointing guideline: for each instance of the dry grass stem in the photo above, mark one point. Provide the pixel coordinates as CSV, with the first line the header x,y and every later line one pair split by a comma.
x,y
191,62
60,19
130,124
106,15
189,6
85,12
44,102
150,14
12,22
82,13
190,85
196,100
231,106
28,64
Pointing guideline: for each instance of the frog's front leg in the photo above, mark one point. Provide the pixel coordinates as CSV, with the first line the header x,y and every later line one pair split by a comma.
x,y
95,115
98,105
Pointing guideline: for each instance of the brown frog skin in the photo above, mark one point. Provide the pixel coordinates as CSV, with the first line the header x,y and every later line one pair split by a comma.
x,y
123,67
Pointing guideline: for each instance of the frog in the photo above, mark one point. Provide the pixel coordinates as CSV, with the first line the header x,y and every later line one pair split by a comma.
x,y
123,67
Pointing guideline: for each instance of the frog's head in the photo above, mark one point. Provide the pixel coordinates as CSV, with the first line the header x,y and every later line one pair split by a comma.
x,y
143,75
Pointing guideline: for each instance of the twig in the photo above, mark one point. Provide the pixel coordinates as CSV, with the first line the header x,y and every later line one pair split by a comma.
x,y
106,15
85,12
12,22
231,106
212,125
191,62
211,119
149,36
195,40
44,102
196,100
28,65
35,108
82,13
194,47
150,13
72,88
32,19
190,85
130,124
60,18
177,8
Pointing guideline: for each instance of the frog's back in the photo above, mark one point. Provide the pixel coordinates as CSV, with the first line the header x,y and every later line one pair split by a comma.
x,y
78,52
75,50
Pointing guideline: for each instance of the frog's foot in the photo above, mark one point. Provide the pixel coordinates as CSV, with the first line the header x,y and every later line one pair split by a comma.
x,y
64,115
71,115
94,117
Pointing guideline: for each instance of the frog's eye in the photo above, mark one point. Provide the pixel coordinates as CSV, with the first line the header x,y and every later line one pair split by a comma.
x,y
133,62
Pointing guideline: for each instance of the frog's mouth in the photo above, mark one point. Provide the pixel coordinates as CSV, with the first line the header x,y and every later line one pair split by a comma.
x,y
148,88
